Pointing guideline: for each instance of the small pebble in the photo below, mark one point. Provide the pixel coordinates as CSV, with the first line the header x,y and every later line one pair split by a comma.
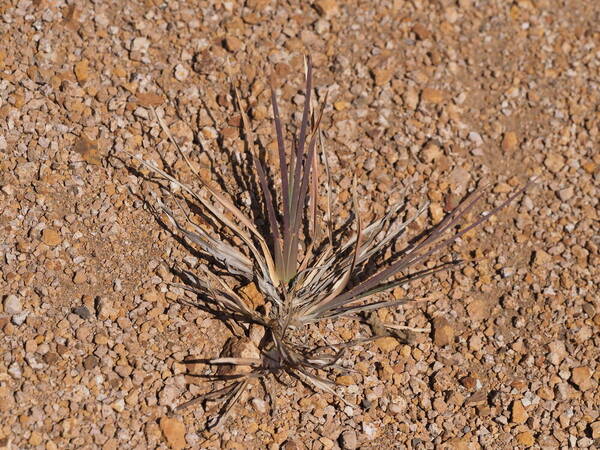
x,y
19,319
475,138
595,427
181,73
411,98
566,194
518,412
525,439
558,352
33,362
326,8
174,432
430,95
82,311
233,44
369,430
386,344
14,370
51,237
12,304
348,440
421,31
82,70
443,332
140,44
581,376
168,395
259,405
510,142
554,162
104,308
91,361
142,113
507,272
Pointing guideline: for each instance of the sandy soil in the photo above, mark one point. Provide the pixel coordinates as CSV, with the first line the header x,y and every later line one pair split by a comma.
x,y
429,98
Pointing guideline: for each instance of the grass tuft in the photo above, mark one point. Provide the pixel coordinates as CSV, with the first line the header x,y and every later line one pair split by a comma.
x,y
304,274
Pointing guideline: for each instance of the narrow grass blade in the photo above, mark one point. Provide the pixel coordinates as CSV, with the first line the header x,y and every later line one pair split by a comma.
x,y
264,260
343,281
283,168
415,257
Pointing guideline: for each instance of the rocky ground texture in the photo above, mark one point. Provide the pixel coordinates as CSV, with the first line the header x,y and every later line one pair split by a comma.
x,y
426,97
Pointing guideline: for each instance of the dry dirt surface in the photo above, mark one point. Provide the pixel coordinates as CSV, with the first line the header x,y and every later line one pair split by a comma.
x,y
427,99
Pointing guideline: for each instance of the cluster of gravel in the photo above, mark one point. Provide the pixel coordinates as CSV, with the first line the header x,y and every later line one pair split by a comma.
x,y
429,98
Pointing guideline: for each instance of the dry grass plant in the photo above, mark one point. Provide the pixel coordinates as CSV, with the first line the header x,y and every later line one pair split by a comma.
x,y
304,273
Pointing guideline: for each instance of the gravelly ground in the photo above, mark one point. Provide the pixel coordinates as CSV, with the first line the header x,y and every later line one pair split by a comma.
x,y
429,97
